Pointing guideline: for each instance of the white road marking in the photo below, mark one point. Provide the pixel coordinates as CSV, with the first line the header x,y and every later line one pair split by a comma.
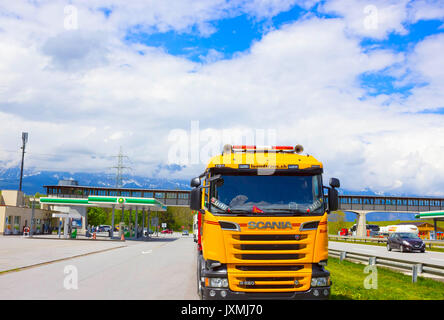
x,y
146,252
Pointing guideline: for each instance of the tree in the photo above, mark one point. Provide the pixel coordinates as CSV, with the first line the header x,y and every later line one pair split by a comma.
x,y
336,222
167,217
96,216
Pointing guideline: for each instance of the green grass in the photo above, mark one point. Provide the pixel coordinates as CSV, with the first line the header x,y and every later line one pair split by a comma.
x,y
348,283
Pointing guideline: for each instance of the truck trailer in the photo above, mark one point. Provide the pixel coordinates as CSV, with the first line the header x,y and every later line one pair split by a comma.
x,y
262,224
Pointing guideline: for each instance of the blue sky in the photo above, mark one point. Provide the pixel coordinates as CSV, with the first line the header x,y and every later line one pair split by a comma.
x,y
232,35
357,83
236,35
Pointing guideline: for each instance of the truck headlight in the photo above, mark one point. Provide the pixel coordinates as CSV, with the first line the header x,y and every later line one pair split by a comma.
x,y
406,243
218,282
320,282
323,263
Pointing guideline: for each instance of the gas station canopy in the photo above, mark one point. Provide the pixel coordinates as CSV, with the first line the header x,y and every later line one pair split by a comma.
x,y
106,202
438,215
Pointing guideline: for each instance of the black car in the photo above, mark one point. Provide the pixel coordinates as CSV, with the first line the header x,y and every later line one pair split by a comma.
x,y
405,242
104,228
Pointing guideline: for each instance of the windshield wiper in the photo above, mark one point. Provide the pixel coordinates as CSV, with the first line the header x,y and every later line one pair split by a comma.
x,y
286,210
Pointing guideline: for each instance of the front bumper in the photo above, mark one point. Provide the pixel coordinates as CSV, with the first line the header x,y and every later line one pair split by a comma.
x,y
318,293
413,248
313,293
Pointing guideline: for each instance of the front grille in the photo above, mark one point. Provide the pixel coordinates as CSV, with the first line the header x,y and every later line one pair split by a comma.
x,y
268,295
284,247
269,262
271,247
269,279
271,283
269,268
270,237
277,286
269,256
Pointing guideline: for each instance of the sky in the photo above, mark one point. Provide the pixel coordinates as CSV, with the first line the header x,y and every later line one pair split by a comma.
x,y
360,84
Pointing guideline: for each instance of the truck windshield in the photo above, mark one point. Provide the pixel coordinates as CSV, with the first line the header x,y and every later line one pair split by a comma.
x,y
267,195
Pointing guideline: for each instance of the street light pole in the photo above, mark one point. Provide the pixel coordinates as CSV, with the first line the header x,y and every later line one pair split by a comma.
x,y
24,140
32,217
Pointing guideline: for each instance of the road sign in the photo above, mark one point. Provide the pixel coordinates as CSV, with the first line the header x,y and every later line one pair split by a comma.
x,y
164,225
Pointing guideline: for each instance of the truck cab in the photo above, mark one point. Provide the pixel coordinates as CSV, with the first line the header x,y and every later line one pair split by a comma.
x,y
262,224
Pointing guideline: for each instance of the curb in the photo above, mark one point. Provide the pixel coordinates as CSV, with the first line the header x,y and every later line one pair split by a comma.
x,y
77,239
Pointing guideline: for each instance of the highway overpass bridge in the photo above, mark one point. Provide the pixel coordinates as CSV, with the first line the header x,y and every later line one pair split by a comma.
x,y
426,207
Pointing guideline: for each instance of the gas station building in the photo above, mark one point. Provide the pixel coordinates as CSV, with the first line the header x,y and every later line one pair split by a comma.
x,y
16,214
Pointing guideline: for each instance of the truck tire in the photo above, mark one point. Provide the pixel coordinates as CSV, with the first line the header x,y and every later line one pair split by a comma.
x,y
198,275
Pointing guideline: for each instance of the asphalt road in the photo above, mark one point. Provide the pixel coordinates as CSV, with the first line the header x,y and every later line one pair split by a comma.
x,y
163,269
18,252
381,251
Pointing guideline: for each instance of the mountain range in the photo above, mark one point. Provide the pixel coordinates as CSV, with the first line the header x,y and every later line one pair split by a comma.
x,y
33,181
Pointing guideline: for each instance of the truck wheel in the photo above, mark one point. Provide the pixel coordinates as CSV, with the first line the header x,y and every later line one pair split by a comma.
x,y
199,283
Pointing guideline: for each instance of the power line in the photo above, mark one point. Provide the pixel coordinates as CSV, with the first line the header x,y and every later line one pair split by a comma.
x,y
120,167
24,140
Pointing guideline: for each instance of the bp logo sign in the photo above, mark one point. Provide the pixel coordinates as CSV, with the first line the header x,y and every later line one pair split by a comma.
x,y
121,200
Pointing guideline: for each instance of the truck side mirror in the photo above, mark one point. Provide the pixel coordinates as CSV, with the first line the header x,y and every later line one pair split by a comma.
x,y
334,183
333,200
196,199
195,182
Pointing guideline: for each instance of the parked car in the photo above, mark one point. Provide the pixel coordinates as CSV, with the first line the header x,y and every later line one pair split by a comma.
x,y
166,231
405,241
104,228
371,227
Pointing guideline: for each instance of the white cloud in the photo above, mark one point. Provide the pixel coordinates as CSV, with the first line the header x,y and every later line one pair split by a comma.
x,y
427,68
426,10
374,19
301,81
77,50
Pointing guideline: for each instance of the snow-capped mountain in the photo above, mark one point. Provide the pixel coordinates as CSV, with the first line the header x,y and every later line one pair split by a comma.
x,y
34,181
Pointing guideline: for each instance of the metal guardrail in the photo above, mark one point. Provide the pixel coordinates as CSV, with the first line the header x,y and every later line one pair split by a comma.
x,y
415,267
429,243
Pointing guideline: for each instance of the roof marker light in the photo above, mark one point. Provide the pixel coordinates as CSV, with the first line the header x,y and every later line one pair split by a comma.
x,y
298,149
262,148
227,149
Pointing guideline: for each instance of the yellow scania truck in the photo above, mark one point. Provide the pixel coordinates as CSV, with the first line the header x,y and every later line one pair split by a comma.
x,y
262,224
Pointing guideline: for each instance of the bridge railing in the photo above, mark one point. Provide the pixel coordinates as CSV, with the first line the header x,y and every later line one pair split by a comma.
x,y
389,203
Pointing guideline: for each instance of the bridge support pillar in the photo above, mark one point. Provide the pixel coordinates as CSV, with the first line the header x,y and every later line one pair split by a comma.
x,y
112,221
143,220
136,223
361,224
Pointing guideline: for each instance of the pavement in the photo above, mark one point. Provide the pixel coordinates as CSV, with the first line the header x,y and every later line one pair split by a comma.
x,y
160,269
21,252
